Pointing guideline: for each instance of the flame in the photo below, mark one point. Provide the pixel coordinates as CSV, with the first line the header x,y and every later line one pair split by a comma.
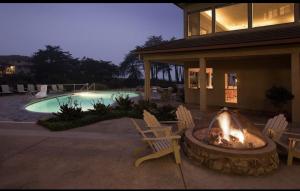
x,y
224,121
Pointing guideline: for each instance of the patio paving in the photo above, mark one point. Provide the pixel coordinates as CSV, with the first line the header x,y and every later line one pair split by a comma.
x,y
101,155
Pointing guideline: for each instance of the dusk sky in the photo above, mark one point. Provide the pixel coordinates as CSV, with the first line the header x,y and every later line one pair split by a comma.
x,y
104,31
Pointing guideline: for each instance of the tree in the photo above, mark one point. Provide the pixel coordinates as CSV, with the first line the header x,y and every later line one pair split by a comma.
x,y
53,65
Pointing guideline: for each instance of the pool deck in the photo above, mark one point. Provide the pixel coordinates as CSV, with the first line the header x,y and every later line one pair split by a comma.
x,y
102,155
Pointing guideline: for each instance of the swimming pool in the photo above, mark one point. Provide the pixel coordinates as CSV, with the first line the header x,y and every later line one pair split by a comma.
x,y
84,99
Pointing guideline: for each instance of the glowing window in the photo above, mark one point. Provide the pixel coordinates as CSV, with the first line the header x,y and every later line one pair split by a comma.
x,y
205,22
10,70
232,17
193,24
265,14
231,88
194,78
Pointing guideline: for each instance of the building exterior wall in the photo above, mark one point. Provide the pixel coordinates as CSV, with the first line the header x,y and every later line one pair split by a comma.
x,y
255,76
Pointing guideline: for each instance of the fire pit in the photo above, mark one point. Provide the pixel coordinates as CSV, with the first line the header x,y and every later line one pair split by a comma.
x,y
231,144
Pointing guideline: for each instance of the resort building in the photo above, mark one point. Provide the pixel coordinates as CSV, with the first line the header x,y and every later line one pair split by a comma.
x,y
14,64
237,51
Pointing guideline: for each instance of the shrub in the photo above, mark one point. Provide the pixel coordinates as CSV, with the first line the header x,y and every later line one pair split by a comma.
x,y
166,113
100,108
124,102
279,96
145,105
69,111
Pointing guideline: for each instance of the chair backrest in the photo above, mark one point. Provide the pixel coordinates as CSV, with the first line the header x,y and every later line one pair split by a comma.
x,y
44,88
137,127
5,89
184,115
20,87
275,127
31,87
54,87
38,87
60,87
152,123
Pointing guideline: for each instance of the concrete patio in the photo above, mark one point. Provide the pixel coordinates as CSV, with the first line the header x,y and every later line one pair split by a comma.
x,y
102,156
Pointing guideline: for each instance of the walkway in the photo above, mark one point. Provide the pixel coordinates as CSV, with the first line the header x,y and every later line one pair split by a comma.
x,y
101,155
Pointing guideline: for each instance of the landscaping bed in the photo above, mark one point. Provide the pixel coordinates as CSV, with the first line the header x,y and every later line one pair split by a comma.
x,y
72,116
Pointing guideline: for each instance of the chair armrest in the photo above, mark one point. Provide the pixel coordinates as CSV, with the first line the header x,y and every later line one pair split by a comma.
x,y
170,122
294,139
259,124
157,130
163,138
291,133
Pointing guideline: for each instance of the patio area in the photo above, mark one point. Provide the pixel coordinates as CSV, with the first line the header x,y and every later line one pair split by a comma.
x,y
102,155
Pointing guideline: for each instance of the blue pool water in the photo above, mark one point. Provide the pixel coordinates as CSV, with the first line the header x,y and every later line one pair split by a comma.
x,y
84,99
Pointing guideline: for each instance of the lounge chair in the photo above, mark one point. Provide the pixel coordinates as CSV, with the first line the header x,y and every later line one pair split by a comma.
x,y
184,115
38,87
20,88
153,123
31,88
6,89
42,93
54,88
161,146
275,128
60,87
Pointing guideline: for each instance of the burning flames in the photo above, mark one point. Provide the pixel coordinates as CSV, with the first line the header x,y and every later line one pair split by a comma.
x,y
227,130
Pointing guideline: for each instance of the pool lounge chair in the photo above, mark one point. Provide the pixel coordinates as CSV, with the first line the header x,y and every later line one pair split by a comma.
x,y
20,88
31,88
42,93
161,146
60,88
54,88
5,89
38,87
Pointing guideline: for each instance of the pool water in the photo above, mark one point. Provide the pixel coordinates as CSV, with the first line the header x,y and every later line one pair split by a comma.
x,y
84,99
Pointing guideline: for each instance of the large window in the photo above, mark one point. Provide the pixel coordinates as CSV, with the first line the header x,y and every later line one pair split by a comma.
x,y
265,14
193,24
194,78
231,88
200,23
232,17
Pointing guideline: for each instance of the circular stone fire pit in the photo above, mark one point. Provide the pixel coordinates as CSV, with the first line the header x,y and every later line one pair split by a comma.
x,y
254,154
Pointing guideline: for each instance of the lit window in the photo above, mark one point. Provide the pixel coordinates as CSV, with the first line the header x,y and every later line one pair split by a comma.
x,y
194,78
193,24
231,87
205,22
10,70
265,14
232,17
200,23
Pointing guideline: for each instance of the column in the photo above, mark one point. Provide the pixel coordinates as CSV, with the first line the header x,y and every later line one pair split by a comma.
x,y
186,83
250,15
147,90
203,101
295,72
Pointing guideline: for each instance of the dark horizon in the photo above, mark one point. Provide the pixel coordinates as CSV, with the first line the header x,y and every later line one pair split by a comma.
x,y
106,31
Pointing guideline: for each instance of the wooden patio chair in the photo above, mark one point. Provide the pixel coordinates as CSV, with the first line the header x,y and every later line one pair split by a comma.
x,y
161,146
184,115
275,128
153,123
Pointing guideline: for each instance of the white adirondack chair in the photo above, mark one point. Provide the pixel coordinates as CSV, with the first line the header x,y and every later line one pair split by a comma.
x,y
275,128
160,146
42,93
184,115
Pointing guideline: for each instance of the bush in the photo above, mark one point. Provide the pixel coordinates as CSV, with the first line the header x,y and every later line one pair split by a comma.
x,y
124,102
69,111
166,113
144,105
279,96
100,108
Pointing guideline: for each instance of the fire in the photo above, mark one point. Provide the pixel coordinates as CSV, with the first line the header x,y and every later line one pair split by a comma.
x,y
228,131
